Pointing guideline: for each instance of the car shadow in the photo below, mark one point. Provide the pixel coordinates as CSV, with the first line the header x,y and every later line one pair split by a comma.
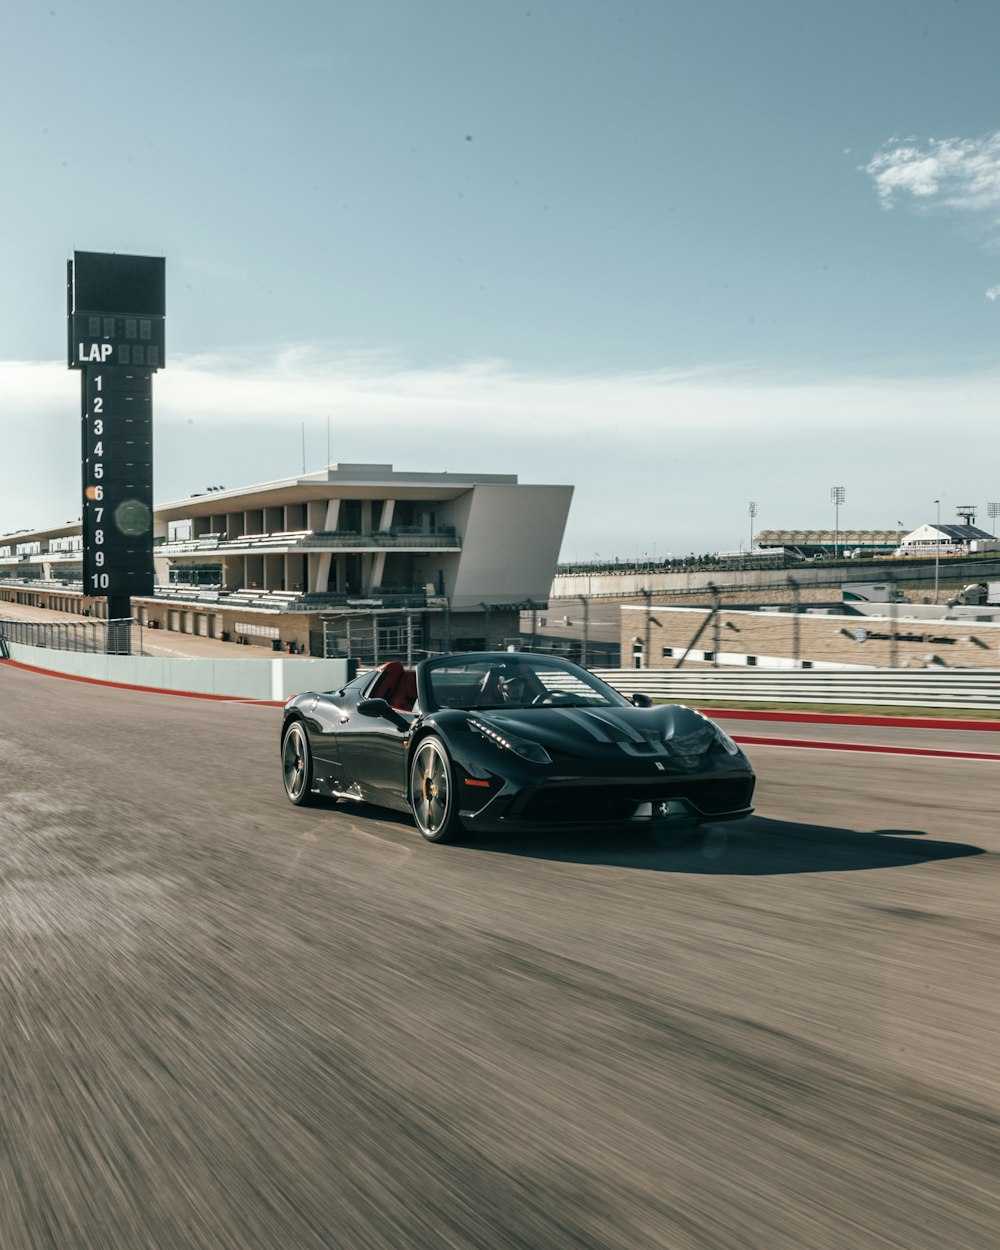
x,y
754,847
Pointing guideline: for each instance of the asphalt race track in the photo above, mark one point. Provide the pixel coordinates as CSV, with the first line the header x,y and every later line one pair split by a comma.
x,y
228,1022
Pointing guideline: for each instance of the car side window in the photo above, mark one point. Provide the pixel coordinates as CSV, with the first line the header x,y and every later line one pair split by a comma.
x,y
358,685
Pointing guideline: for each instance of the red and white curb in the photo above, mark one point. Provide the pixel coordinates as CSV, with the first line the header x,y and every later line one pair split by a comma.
x,y
877,748
847,718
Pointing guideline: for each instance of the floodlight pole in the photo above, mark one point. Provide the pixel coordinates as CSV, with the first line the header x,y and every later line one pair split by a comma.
x,y
937,551
837,496
751,512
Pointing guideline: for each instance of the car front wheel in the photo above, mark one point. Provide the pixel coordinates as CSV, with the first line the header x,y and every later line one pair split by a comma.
x,y
296,765
432,796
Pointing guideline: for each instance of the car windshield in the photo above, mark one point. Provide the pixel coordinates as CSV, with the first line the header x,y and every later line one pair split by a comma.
x,y
518,681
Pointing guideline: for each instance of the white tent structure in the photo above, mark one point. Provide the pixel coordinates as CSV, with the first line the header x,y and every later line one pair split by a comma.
x,y
946,540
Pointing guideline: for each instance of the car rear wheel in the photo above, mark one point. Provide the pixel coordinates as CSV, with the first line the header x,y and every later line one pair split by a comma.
x,y
296,765
432,796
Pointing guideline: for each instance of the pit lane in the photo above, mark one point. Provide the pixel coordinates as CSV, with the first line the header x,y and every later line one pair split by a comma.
x,y
230,1022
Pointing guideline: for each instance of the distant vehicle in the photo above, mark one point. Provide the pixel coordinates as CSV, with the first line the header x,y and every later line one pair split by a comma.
x,y
511,742
976,594
756,553
872,592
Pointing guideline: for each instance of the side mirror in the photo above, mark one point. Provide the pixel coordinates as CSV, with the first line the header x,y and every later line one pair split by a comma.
x,y
642,700
378,709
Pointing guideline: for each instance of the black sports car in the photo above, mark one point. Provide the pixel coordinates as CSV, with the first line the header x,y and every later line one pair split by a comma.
x,y
510,741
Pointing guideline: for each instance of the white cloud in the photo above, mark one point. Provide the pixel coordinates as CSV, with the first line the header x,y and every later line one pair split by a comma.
x,y
656,457
485,403
962,174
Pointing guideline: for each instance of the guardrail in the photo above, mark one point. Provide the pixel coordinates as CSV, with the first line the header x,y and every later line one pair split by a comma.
x,y
978,688
95,637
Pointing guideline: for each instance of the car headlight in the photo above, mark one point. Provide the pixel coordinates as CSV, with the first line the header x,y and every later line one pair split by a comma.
x,y
720,733
726,741
534,752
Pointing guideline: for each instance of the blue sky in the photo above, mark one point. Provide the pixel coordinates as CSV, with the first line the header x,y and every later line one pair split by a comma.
x,y
680,256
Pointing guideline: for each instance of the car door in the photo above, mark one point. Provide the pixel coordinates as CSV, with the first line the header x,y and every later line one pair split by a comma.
x,y
373,756
326,716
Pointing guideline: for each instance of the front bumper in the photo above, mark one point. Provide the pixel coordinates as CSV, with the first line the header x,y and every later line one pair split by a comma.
x,y
580,804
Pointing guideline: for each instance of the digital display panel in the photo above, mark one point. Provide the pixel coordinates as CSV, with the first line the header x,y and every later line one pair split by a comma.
x,y
106,282
117,482
135,342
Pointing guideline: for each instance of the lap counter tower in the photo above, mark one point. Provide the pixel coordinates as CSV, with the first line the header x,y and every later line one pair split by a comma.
x,y
116,308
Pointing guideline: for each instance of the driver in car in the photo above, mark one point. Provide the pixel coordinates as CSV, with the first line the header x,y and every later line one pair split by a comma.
x,y
514,691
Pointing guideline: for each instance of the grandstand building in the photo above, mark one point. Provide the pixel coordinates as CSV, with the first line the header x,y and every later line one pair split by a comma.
x,y
357,559
811,543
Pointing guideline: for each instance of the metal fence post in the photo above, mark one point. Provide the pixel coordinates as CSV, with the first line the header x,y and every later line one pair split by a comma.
x,y
486,615
716,623
893,634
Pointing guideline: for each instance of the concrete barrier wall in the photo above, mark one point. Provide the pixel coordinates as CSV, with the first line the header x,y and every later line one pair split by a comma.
x,y
276,679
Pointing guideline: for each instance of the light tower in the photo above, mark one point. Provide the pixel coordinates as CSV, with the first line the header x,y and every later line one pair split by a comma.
x,y
837,496
993,511
751,513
